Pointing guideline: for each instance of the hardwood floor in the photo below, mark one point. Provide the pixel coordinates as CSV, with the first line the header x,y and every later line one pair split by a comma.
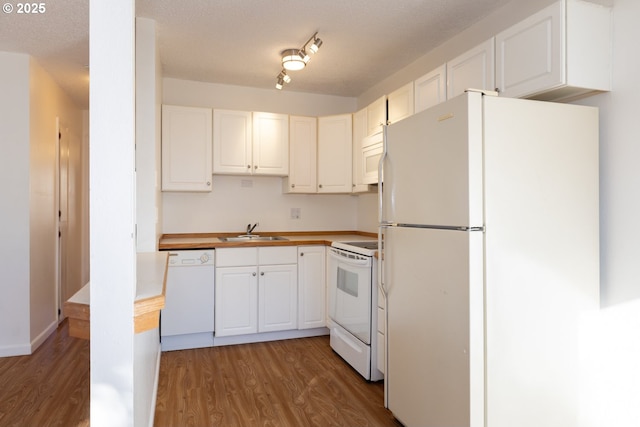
x,y
49,387
299,382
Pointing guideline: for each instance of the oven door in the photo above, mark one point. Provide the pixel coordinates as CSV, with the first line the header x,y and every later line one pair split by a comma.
x,y
350,292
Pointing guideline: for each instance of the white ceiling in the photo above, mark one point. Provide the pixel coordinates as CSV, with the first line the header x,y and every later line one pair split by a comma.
x,y
239,42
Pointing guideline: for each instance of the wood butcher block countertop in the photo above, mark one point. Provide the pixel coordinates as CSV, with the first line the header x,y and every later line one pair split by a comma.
x,y
294,238
150,297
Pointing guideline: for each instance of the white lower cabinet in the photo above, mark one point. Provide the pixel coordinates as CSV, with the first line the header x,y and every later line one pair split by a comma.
x,y
277,297
256,290
236,310
311,287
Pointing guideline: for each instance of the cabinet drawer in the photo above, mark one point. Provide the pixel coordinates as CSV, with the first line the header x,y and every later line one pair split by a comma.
x,y
278,255
236,257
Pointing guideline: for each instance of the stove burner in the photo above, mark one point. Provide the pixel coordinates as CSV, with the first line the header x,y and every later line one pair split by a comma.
x,y
370,244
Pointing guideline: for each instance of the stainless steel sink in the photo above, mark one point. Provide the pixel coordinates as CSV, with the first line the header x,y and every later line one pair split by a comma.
x,y
252,237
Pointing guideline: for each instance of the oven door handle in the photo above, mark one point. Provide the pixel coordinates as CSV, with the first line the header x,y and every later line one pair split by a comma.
x,y
338,255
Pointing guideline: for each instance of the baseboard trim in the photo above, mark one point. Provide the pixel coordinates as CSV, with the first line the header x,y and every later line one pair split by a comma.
x,y
37,342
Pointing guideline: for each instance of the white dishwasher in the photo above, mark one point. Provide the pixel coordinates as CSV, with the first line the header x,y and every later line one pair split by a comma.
x,y
187,320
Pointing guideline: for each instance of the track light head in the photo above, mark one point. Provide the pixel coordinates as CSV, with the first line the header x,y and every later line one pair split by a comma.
x,y
315,45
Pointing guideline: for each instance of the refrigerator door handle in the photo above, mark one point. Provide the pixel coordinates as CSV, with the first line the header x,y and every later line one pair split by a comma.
x,y
381,174
381,285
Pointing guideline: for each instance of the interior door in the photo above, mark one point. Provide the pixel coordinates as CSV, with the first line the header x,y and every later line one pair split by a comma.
x,y
435,350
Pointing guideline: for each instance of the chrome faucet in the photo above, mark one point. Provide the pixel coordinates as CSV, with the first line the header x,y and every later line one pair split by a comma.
x,y
250,228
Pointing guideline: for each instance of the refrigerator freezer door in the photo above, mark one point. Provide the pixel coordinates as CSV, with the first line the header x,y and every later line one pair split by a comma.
x,y
435,344
433,166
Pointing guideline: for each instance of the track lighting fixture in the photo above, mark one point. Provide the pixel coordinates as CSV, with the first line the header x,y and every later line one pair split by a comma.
x,y
297,59
282,78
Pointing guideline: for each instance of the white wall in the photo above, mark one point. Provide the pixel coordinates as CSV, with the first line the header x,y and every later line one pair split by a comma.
x,y
30,107
235,202
148,101
47,104
148,125
199,94
14,204
238,201
612,341
112,209
619,154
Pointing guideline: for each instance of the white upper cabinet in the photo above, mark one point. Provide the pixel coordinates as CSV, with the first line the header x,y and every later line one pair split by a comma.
x,y
303,137
430,89
559,53
369,158
232,142
334,154
359,133
400,103
473,69
376,115
186,148
270,144
246,143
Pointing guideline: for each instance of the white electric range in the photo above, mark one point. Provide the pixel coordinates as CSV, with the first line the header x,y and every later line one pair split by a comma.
x,y
353,305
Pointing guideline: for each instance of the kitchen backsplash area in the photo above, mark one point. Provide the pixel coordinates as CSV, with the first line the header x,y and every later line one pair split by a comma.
x,y
236,201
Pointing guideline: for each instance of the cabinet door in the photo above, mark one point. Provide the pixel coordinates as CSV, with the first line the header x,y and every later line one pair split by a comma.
x,y
473,69
370,155
186,148
278,298
359,132
334,154
311,287
236,301
430,89
376,115
231,142
529,55
270,144
303,134
400,103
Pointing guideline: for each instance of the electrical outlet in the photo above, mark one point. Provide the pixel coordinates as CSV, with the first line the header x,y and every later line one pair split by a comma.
x,y
295,213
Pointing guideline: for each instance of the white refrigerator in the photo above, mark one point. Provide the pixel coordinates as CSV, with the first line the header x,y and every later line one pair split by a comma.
x,y
489,216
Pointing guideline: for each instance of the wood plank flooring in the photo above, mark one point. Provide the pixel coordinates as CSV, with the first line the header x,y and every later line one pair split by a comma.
x,y
49,387
299,382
